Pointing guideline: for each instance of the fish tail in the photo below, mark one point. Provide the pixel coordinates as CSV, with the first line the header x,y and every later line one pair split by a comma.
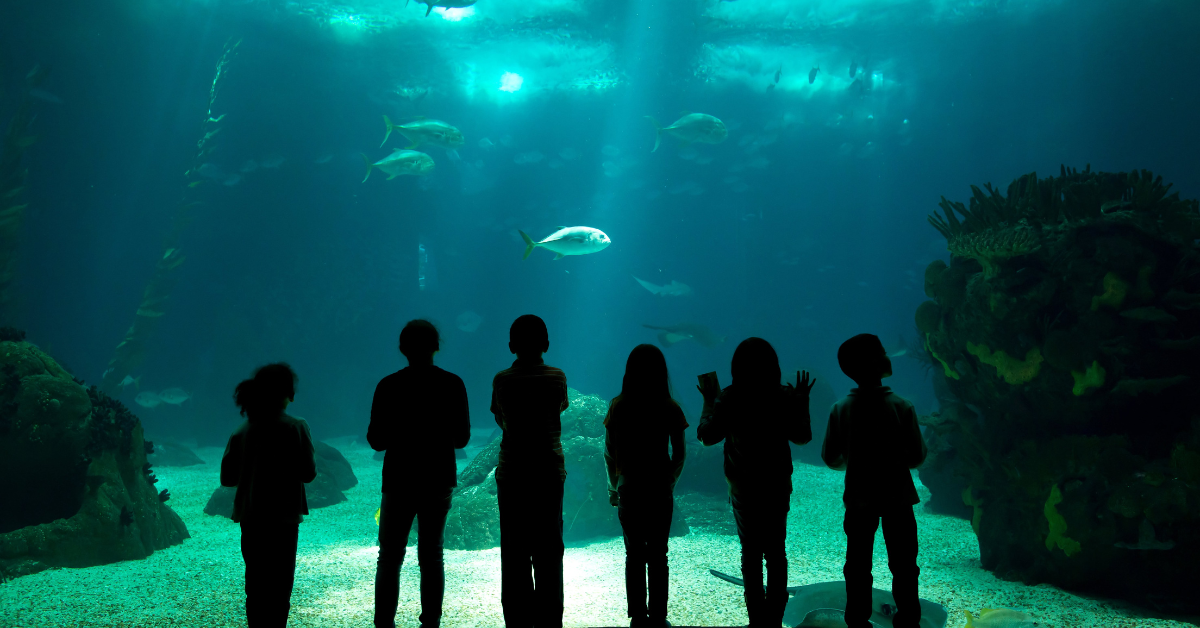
x,y
387,122
658,132
970,619
529,243
369,166
430,9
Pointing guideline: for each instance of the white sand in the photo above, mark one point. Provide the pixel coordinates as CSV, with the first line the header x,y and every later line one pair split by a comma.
x,y
199,583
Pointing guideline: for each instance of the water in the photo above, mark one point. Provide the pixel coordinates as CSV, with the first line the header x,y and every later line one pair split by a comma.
x,y
223,215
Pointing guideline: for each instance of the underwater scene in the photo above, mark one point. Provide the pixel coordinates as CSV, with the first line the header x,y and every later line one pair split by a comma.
x,y
1003,192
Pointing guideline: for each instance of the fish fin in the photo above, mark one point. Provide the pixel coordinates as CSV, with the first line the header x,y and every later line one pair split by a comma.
x,y
453,155
559,256
529,243
658,131
970,619
685,112
369,166
430,9
411,146
560,227
723,576
387,122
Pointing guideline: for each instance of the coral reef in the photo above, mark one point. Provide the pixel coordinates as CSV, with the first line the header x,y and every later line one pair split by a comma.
x,y
88,496
1067,324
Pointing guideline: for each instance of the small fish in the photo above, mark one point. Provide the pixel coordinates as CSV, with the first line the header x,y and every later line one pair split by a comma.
x,y
323,159
173,396
812,74
130,381
147,399
468,321
424,131
41,94
1000,618
898,353
692,127
401,162
486,144
779,73
569,241
447,4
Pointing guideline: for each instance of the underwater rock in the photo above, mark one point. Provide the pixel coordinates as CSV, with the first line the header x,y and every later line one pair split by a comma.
x,y
334,475
172,454
1068,349
91,498
474,519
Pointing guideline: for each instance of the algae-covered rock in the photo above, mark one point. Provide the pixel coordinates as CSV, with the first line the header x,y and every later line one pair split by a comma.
x,y
334,475
1071,331
87,494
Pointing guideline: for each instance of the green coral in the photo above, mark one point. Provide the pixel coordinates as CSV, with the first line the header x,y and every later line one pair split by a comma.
x,y
1010,369
929,317
1058,525
1093,377
951,373
977,505
991,248
1115,291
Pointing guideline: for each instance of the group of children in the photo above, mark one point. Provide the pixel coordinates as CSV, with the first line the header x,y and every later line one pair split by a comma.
x,y
419,417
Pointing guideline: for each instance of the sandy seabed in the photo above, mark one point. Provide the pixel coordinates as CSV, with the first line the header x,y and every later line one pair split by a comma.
x,y
199,583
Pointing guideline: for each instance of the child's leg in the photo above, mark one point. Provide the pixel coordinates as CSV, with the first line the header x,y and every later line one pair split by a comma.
x,y
748,517
395,520
900,535
633,515
860,526
775,555
431,534
656,554
516,576
269,550
546,523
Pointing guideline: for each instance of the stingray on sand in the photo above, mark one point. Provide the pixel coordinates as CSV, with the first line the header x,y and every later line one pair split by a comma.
x,y
830,599
672,334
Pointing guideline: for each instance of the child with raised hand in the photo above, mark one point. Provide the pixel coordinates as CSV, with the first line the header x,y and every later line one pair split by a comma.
x,y
873,435
640,423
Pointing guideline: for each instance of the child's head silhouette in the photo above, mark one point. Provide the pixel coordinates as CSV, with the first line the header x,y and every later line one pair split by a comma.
x,y
528,336
755,363
267,393
646,374
863,359
419,340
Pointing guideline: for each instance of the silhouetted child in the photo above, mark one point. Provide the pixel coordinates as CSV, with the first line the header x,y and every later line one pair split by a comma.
x,y
269,459
528,399
640,424
419,416
757,417
873,434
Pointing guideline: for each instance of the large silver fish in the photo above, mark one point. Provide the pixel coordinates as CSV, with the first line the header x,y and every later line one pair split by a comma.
x,y
401,162
425,131
569,241
693,127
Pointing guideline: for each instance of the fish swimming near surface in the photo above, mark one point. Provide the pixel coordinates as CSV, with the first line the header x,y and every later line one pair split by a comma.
x,y
173,396
1000,618
827,596
812,74
673,289
130,381
569,241
692,127
401,162
673,334
148,399
446,4
425,131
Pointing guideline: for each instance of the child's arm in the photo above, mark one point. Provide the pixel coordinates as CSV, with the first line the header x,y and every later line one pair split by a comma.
x,y
308,455
915,449
231,462
678,455
711,429
610,465
379,430
497,411
460,416
833,450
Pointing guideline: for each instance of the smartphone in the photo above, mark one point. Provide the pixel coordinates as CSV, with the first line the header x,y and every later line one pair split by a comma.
x,y
708,379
